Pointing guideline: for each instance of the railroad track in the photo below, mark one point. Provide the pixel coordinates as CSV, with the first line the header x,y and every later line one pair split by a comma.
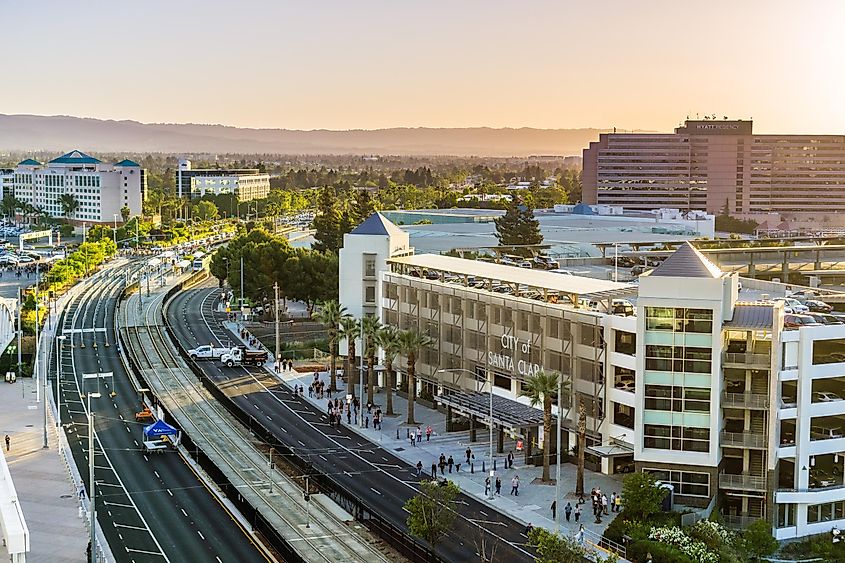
x,y
203,414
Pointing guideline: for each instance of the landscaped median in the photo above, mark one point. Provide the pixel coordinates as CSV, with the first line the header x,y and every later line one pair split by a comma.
x,y
80,262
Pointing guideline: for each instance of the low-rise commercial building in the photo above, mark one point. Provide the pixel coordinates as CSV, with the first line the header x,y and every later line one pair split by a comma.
x,y
100,190
245,183
682,375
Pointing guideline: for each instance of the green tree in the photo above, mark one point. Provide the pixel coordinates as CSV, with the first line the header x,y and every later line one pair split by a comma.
x,y
518,226
69,204
542,388
125,212
363,206
9,204
388,340
642,495
327,222
205,211
370,327
330,314
410,343
431,512
350,330
758,540
554,548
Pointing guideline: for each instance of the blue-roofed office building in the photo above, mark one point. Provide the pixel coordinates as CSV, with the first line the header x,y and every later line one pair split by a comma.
x,y
100,189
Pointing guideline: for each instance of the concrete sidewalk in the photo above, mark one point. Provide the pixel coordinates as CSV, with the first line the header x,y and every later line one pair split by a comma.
x,y
532,505
58,534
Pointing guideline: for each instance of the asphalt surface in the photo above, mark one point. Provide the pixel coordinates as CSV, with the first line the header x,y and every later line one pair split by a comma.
x,y
150,507
363,468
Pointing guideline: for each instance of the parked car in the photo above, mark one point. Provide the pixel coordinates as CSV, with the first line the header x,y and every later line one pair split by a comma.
x,y
825,397
826,318
817,306
792,305
797,321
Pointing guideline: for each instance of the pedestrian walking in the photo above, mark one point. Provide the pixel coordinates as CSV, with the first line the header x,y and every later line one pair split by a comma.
x,y
486,486
8,442
604,504
419,434
469,453
618,503
450,463
613,501
515,485
413,438
428,433
510,460
579,537
567,511
554,509
433,470
498,486
419,468
577,513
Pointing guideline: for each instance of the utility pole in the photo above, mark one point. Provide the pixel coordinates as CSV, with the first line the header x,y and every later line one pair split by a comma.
x,y
42,373
276,315
242,282
557,452
20,314
92,510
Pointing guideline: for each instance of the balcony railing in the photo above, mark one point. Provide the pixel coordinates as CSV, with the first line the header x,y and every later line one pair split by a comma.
x,y
745,400
747,482
743,439
739,522
748,359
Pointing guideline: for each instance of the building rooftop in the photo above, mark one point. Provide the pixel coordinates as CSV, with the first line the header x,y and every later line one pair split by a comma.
x,y
75,157
573,285
127,162
29,162
687,262
377,224
752,316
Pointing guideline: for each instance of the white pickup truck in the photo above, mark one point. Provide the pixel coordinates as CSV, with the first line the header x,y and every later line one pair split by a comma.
x,y
207,352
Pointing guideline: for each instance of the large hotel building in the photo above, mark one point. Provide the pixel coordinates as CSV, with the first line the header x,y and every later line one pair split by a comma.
x,y
711,164
698,381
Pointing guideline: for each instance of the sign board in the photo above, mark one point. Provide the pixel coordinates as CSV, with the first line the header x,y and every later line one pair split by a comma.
x,y
514,357
35,235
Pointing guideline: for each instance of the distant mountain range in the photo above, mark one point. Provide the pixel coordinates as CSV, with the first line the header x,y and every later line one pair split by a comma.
x,y
60,133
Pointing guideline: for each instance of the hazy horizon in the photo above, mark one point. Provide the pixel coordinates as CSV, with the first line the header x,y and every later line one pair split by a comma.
x,y
373,65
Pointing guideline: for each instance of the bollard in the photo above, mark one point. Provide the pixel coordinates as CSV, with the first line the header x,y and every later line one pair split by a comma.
x,y
397,433
494,465
472,467
407,433
483,469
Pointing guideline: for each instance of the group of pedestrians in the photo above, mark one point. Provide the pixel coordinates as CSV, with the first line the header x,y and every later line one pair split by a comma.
x,y
415,436
317,389
283,366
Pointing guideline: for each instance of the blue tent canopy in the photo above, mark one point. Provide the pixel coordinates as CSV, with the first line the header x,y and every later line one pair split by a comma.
x,y
159,428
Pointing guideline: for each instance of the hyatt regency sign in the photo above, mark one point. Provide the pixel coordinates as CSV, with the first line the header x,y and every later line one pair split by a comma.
x,y
507,359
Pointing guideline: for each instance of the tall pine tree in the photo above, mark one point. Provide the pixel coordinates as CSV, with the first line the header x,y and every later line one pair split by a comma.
x,y
518,226
328,222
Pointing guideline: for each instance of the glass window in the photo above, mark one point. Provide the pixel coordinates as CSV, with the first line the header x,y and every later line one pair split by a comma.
x,y
829,351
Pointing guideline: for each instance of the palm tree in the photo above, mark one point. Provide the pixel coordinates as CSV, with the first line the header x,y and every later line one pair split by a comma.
x,y
350,330
542,387
582,445
370,327
388,340
410,342
9,205
329,315
69,204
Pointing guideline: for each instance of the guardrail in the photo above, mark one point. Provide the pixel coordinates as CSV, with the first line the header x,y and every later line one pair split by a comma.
x,y
360,509
745,400
743,439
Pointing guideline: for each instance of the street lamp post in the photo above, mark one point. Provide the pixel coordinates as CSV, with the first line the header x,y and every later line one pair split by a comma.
x,y
489,422
92,511
361,381
60,340
114,232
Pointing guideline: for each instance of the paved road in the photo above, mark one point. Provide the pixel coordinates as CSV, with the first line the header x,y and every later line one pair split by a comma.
x,y
150,508
363,468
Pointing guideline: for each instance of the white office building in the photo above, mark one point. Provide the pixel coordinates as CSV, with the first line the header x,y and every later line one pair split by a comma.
x,y
684,376
101,190
245,183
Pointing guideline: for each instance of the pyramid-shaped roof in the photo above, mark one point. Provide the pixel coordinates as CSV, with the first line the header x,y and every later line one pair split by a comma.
x,y
29,162
75,157
377,224
582,209
687,262
127,162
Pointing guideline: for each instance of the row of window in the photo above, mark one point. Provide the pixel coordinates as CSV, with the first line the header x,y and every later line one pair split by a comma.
x,y
688,359
681,438
679,319
677,399
687,483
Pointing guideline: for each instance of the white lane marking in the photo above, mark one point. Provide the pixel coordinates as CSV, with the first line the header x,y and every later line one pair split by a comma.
x,y
183,512
375,491
200,534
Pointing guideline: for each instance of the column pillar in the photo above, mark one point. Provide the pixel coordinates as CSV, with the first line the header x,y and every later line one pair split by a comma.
x,y
500,446
473,434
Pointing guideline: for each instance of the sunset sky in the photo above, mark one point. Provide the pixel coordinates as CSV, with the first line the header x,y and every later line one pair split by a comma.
x,y
372,64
